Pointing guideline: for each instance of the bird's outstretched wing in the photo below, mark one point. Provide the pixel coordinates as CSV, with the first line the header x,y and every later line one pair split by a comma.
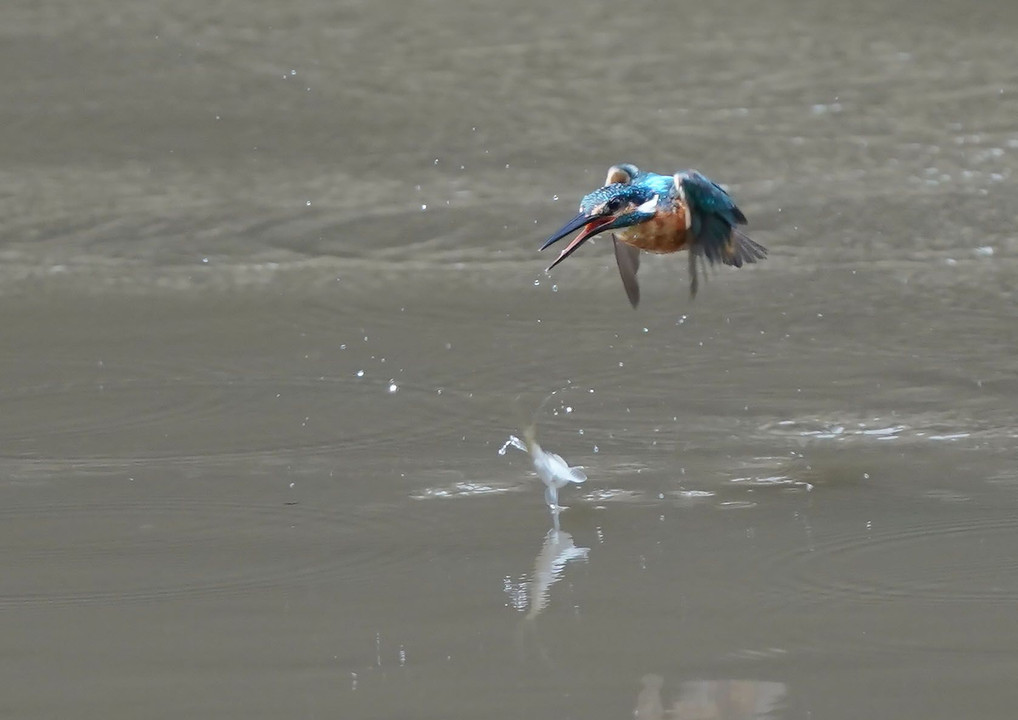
x,y
628,259
713,219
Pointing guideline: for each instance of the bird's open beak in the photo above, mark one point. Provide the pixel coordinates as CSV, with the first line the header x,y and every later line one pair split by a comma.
x,y
591,226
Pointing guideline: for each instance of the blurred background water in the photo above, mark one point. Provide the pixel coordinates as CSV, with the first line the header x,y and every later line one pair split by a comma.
x,y
271,303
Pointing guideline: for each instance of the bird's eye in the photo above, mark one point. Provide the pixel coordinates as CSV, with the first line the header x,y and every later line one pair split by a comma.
x,y
613,205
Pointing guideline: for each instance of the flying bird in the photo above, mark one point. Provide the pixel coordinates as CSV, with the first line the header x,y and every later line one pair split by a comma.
x,y
661,214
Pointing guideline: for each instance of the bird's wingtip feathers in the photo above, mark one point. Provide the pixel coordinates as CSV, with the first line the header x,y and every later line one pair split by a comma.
x,y
746,250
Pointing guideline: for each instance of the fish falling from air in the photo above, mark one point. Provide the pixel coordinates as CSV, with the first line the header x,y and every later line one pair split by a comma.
x,y
551,468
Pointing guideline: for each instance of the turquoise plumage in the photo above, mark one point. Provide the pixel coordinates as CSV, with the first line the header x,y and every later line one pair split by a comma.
x,y
661,214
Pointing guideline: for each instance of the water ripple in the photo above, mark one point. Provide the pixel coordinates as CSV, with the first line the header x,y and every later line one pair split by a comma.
x,y
156,549
952,561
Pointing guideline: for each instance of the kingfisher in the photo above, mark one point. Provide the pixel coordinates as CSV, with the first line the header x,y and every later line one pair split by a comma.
x,y
661,214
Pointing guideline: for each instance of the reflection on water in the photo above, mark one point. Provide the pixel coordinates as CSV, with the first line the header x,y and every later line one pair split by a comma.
x,y
533,594
649,705
710,700
557,550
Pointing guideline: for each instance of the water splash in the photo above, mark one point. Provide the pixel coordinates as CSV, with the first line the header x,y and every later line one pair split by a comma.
x,y
553,470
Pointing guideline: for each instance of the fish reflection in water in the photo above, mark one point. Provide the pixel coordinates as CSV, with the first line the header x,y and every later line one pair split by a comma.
x,y
557,550
711,700
649,705
551,468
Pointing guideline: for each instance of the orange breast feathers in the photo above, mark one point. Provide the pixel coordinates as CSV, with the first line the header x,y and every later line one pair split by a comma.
x,y
663,233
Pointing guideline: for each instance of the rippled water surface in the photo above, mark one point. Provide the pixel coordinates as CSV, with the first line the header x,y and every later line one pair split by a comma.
x,y
271,305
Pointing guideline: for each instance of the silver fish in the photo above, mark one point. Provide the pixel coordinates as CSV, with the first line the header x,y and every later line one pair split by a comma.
x,y
554,472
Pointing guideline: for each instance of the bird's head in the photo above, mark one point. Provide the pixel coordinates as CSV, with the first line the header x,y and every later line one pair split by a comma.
x,y
612,207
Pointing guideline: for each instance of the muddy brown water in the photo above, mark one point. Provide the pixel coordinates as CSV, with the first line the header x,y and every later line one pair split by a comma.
x,y
271,304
